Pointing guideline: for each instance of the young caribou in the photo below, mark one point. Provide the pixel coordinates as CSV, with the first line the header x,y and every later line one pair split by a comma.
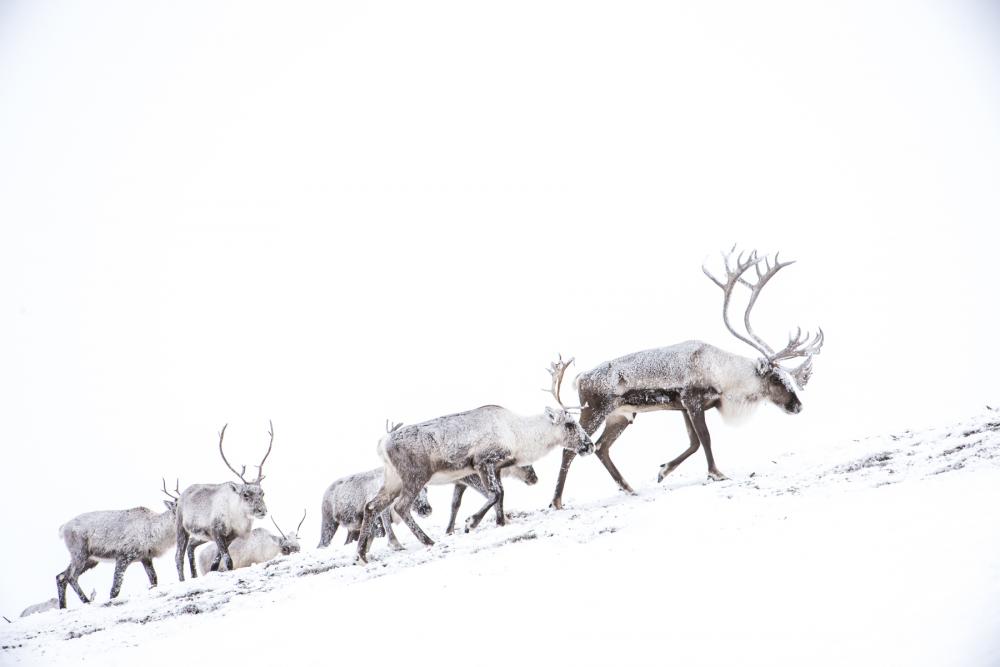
x,y
124,536
484,441
524,473
694,377
219,513
344,505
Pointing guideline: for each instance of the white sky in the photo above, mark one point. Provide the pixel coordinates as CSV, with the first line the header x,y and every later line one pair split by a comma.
x,y
331,214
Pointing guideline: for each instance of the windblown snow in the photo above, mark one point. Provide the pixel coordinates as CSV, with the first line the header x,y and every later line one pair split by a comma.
x,y
879,551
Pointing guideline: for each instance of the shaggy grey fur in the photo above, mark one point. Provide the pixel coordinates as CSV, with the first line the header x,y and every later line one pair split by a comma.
x,y
446,449
344,505
258,547
124,536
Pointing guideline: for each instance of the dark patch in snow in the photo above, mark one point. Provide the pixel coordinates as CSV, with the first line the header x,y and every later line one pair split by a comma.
x,y
76,634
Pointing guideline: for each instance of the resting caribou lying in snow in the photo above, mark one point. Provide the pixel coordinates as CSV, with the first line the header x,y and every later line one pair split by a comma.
x,y
694,377
260,546
484,441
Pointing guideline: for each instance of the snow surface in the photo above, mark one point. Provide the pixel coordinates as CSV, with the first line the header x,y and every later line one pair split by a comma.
x,y
879,551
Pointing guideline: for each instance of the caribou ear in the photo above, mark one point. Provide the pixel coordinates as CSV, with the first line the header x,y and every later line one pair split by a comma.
x,y
763,366
232,487
555,416
170,504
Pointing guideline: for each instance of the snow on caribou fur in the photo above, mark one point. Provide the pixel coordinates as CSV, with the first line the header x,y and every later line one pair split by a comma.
x,y
879,551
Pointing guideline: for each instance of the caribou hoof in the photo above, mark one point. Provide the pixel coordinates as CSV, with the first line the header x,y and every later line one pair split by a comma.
x,y
470,523
361,559
664,471
716,476
556,504
397,547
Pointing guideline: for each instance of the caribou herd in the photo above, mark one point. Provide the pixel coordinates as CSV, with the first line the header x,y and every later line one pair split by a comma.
x,y
478,448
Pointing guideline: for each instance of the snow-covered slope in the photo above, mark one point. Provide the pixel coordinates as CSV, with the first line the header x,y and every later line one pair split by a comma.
x,y
880,551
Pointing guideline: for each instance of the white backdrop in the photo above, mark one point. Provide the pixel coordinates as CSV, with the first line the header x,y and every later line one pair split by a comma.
x,y
331,214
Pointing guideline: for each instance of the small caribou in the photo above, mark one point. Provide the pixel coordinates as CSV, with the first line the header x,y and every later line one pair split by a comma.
x,y
124,536
484,441
524,473
219,513
694,377
260,546
344,505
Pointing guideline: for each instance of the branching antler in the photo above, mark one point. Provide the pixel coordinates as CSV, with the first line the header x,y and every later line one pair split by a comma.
x,y
797,345
393,427
557,369
222,434
177,489
733,276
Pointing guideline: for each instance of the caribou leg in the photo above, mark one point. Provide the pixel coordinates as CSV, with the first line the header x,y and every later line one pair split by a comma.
x,y
456,502
668,468
402,507
373,508
352,536
491,482
590,420
147,563
121,564
182,542
192,545
698,419
612,429
224,560
69,576
567,460
389,532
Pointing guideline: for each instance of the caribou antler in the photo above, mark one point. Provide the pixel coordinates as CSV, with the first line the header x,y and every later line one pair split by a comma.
x,y
222,434
733,276
557,369
177,489
276,526
390,429
260,468
299,527
797,345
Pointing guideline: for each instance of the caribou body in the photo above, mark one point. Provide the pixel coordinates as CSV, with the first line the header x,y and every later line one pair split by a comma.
x,y
344,505
123,536
260,546
219,513
694,377
483,441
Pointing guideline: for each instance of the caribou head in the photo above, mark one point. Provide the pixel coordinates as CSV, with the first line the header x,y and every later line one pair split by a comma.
x,y
574,437
780,385
250,493
289,544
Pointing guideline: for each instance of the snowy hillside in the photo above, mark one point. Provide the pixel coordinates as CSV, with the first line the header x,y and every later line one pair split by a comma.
x,y
880,551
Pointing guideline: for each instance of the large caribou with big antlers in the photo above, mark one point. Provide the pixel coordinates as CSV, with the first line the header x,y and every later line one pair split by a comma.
x,y
483,441
219,513
694,377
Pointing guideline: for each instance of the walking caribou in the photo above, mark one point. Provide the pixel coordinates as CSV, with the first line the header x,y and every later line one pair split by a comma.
x,y
694,377
484,441
124,536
